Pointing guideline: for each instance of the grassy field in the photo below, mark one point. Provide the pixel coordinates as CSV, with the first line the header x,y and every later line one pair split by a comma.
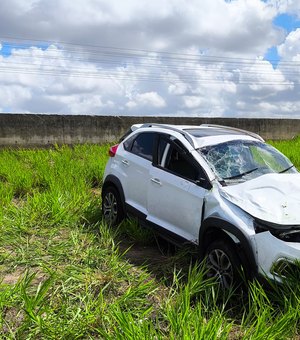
x,y
65,275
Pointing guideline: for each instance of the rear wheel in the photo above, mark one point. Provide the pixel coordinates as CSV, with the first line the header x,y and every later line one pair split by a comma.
x,y
112,208
224,264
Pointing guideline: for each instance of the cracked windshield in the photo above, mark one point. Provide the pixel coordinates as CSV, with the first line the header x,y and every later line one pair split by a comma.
x,y
244,160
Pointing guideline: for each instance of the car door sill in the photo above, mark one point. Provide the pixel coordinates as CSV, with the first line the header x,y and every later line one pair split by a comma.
x,y
164,233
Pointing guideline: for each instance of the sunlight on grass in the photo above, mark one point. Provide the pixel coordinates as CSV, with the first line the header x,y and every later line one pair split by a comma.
x,y
65,275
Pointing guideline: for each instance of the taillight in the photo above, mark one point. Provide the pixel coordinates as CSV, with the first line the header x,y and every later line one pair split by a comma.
x,y
113,150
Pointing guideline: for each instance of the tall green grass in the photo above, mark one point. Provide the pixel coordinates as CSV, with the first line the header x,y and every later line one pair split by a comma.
x,y
291,148
65,275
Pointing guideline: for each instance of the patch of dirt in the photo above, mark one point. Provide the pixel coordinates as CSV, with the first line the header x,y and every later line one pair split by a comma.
x,y
96,191
14,318
159,258
13,278
235,333
142,255
18,201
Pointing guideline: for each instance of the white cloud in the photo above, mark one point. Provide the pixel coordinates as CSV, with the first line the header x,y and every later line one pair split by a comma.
x,y
263,78
210,64
192,102
289,66
281,108
191,87
287,6
290,49
47,80
151,99
8,98
232,27
179,88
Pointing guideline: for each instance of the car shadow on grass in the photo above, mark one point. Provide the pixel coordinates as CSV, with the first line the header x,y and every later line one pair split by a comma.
x,y
144,248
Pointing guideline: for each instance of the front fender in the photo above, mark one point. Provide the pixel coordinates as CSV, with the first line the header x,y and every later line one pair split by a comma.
x,y
217,226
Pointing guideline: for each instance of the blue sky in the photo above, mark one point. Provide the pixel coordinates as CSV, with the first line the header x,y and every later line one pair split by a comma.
x,y
289,23
8,47
171,57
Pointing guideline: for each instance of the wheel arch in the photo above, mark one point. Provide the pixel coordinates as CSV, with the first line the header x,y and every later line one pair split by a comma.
x,y
216,228
113,181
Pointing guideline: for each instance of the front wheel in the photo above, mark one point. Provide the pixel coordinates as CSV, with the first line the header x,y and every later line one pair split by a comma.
x,y
224,264
112,208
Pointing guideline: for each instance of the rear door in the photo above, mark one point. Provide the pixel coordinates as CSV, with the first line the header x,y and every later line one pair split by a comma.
x,y
136,162
175,198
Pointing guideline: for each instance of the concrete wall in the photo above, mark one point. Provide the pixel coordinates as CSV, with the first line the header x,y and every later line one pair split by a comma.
x,y
31,130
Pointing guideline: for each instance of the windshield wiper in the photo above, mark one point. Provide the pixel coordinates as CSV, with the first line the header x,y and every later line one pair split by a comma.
x,y
287,169
242,174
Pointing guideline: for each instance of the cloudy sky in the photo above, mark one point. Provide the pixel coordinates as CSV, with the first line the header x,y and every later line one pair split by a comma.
x,y
236,58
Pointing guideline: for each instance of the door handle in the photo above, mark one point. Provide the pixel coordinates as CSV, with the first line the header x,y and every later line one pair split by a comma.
x,y
156,181
125,162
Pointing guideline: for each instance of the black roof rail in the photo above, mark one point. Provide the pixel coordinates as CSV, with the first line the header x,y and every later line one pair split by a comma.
x,y
245,132
186,135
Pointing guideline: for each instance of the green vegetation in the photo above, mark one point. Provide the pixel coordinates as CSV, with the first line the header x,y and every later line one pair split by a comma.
x,y
65,275
290,148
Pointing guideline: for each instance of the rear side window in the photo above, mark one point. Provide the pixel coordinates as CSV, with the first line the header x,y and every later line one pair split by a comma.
x,y
128,143
126,134
143,145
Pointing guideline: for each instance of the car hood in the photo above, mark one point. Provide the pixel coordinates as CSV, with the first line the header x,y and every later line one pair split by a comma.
x,y
272,197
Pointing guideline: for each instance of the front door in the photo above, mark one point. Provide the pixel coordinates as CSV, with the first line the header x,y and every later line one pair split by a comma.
x,y
175,198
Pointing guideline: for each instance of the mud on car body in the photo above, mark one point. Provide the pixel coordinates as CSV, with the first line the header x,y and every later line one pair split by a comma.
x,y
223,189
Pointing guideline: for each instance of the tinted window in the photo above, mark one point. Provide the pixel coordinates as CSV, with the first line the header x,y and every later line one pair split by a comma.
x,y
173,157
178,164
143,145
126,134
128,143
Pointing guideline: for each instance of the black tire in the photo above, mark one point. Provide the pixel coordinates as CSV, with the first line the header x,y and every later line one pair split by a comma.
x,y
112,207
224,264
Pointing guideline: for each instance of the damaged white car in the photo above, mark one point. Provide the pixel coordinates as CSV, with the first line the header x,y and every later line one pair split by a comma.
x,y
223,189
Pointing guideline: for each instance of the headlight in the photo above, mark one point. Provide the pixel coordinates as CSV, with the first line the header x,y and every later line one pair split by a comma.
x,y
287,233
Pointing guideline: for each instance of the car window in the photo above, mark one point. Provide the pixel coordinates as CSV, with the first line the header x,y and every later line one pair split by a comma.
x,y
128,143
244,160
173,157
180,166
143,145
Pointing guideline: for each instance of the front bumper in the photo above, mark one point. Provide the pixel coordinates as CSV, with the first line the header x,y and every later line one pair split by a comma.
x,y
275,256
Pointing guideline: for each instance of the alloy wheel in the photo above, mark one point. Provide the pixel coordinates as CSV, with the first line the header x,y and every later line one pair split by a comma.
x,y
110,208
220,266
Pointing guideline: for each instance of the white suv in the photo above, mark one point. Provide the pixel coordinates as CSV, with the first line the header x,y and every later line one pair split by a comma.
x,y
223,189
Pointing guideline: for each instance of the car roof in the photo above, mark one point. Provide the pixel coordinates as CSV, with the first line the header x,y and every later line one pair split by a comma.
x,y
205,134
